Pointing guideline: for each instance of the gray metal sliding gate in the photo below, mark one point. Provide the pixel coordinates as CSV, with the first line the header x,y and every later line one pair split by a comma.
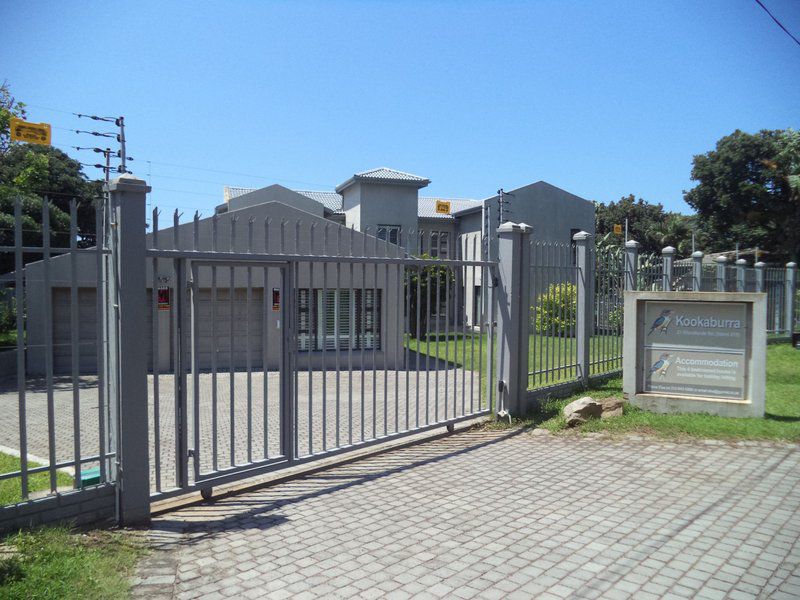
x,y
329,342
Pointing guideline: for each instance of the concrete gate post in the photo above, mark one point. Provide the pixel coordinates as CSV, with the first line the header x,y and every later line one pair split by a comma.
x,y
760,285
128,203
697,271
722,264
513,318
631,264
667,260
791,298
741,270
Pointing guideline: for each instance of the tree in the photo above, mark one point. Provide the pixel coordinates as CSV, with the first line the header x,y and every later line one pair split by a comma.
x,y
9,107
418,281
748,192
649,224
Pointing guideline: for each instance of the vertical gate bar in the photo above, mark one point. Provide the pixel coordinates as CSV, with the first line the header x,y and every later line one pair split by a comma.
x,y
287,358
427,343
463,315
214,423
324,369
265,316
176,350
195,341
398,350
490,348
482,323
20,306
407,279
372,336
352,322
447,275
100,338
295,371
74,308
418,345
472,333
436,345
360,319
337,300
231,359
155,346
48,342
181,408
312,341
379,321
248,301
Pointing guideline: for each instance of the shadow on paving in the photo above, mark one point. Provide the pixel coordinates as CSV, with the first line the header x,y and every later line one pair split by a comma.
x,y
236,512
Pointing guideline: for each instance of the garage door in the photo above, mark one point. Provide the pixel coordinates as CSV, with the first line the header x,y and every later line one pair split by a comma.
x,y
88,326
237,322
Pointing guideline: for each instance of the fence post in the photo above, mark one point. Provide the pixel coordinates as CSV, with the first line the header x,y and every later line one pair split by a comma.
x,y
697,271
741,270
128,203
722,262
791,286
584,317
631,264
667,260
513,318
760,287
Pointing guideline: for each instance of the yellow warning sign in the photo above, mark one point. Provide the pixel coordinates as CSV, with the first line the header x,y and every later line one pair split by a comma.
x,y
618,229
443,207
33,133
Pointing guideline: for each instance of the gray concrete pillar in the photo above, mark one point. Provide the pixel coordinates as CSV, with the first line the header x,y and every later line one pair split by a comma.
x,y
128,201
667,260
741,273
760,285
631,264
697,271
513,317
584,260
791,296
722,263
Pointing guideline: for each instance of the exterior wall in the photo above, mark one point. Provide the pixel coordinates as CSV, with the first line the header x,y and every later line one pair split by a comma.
x,y
383,204
266,237
276,193
80,507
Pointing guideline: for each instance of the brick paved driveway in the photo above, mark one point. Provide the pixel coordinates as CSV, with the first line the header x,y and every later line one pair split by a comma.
x,y
501,515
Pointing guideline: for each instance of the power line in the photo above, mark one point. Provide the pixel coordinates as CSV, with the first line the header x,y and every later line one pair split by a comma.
x,y
761,4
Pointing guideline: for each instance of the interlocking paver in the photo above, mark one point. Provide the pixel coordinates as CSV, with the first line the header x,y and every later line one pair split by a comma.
x,y
506,514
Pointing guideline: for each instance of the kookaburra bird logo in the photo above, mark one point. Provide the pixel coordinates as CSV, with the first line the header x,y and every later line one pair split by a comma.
x,y
661,366
661,324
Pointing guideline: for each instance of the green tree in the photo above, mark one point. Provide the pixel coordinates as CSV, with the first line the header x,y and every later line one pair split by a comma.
x,y
748,192
422,288
9,107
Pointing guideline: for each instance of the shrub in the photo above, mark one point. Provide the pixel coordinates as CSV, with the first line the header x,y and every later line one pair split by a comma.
x,y
556,309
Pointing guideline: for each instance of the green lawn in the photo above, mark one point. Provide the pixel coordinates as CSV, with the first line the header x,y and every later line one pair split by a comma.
x,y
54,563
781,421
545,353
11,489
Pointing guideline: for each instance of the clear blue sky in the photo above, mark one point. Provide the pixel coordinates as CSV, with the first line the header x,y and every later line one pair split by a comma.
x,y
600,98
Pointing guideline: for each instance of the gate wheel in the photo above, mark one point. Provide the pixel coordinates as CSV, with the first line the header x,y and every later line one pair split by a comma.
x,y
206,493
451,427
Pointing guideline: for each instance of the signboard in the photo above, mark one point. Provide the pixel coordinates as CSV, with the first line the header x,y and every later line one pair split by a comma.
x,y
276,300
163,298
695,348
695,352
443,207
33,133
617,229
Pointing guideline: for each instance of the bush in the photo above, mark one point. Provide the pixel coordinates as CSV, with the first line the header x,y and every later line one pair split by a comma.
x,y
555,310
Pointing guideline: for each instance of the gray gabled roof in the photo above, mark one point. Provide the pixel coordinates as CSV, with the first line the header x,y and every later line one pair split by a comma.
x,y
385,175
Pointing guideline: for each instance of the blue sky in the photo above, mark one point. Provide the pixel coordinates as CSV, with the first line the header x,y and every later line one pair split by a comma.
x,y
600,98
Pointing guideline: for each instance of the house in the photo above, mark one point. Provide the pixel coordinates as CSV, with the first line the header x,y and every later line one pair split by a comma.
x,y
380,211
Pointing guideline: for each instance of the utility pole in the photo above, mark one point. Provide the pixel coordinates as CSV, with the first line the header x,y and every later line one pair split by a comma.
x,y
120,122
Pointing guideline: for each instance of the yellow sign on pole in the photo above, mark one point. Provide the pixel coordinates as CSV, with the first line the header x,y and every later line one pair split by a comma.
x,y
443,207
33,133
618,229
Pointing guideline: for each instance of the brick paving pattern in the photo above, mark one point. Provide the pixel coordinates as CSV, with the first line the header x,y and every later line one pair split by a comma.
x,y
503,514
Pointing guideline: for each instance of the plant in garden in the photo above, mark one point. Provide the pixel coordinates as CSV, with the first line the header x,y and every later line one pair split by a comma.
x,y
556,309
423,287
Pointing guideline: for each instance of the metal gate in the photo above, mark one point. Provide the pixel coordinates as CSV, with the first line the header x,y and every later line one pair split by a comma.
x,y
307,340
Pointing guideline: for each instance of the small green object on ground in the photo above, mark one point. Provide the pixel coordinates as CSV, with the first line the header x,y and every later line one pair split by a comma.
x,y
90,477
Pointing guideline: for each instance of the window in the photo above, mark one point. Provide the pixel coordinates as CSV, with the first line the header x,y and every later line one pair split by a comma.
x,y
440,244
389,233
338,318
